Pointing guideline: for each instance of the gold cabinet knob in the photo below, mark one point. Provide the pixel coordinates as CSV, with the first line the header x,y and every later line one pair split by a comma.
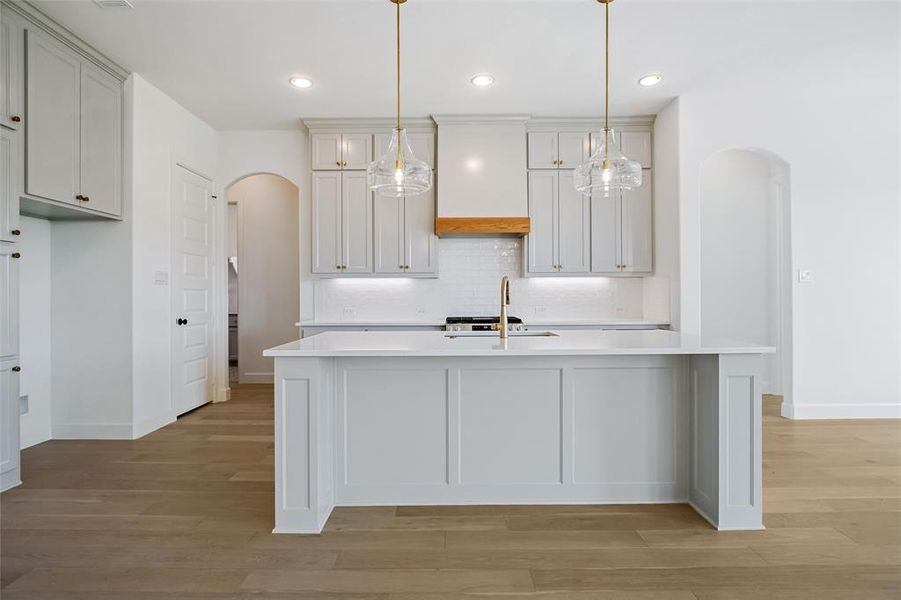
x,y
16,255
15,118
16,369
16,232
338,163
344,163
560,162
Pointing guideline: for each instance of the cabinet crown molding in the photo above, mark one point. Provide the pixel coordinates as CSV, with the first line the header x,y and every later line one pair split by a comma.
x,y
366,124
482,119
39,19
587,123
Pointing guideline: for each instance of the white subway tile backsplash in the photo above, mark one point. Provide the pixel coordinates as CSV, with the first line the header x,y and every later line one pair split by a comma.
x,y
470,273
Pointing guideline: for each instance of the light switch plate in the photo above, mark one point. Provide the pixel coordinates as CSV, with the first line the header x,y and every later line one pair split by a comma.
x,y
161,278
805,275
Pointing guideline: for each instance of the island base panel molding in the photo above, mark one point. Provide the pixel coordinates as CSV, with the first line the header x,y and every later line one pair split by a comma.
x,y
518,430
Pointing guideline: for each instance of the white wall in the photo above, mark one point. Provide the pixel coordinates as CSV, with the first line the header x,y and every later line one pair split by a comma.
x,y
268,270
831,112
280,152
159,133
739,245
34,329
666,217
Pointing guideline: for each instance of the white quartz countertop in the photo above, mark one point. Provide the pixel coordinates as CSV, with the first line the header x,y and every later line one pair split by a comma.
x,y
565,343
532,324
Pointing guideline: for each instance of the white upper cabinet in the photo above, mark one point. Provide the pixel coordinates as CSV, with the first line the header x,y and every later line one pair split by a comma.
x,y
634,144
622,230
560,239
337,151
357,223
388,234
356,150
12,79
572,149
9,301
574,227
421,143
101,140
327,228
52,137
10,176
606,241
342,223
637,146
542,150
404,236
73,141
326,151
638,228
420,241
553,150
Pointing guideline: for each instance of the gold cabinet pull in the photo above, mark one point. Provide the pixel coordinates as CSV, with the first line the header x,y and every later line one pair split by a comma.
x,y
338,163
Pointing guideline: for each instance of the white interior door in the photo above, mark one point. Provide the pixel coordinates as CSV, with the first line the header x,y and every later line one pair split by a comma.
x,y
192,286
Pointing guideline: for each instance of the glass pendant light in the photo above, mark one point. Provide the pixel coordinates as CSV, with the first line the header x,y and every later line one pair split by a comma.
x,y
608,169
398,172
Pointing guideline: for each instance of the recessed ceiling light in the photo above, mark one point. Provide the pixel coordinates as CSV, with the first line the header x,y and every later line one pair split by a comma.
x,y
649,80
301,82
482,79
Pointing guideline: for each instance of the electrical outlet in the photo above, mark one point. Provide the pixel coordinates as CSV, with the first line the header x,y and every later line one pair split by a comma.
x,y
160,278
540,311
620,311
805,275
349,311
420,310
23,404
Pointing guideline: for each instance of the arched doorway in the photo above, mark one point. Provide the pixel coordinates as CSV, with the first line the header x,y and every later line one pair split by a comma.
x,y
263,272
745,256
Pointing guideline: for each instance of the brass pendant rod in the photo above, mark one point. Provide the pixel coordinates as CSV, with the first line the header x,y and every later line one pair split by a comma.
x,y
398,65
606,64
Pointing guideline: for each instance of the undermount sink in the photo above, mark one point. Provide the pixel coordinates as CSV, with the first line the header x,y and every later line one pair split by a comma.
x,y
486,334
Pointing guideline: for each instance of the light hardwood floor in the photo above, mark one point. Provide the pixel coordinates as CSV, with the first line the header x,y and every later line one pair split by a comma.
x,y
186,512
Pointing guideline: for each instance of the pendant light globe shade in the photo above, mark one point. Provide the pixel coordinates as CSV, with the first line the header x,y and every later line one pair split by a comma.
x,y
607,170
398,173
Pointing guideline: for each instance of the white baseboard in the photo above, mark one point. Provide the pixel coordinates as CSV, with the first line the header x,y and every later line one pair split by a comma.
x,y
10,479
92,431
841,411
223,395
152,424
257,377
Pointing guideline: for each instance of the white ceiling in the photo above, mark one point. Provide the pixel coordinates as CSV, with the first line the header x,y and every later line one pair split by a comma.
x,y
229,61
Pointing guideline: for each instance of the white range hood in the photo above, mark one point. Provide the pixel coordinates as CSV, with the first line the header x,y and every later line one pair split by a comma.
x,y
482,184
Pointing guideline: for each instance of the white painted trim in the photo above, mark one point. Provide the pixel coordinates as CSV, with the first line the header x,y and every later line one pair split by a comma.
x,y
10,479
364,124
592,123
256,377
152,424
223,395
464,119
841,411
92,431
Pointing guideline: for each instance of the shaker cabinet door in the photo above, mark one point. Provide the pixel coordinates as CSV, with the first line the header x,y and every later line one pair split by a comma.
x,y
388,234
572,149
356,216
9,421
326,222
542,241
542,150
9,184
101,135
12,79
420,241
9,302
574,228
356,150
605,233
638,227
52,136
326,151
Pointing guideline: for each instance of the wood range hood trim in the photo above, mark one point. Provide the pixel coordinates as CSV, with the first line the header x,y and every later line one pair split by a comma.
x,y
462,226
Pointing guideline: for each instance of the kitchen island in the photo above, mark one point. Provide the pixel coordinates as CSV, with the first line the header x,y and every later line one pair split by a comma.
x,y
394,418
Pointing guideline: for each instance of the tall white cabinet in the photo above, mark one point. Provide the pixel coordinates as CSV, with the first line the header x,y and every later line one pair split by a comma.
x,y
357,233
590,235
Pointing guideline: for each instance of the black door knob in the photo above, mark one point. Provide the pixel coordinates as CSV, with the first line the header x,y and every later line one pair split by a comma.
x,y
181,321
